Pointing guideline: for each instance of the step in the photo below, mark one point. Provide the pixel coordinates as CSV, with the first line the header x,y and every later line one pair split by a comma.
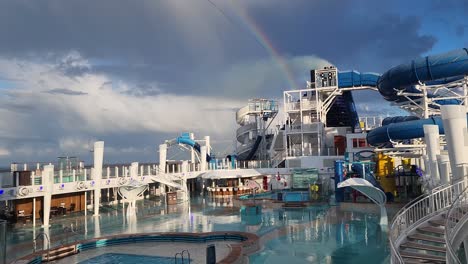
x,y
423,247
414,261
419,256
427,238
431,229
438,222
59,253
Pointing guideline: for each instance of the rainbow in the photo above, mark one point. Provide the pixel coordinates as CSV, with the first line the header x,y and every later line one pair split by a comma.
x,y
264,41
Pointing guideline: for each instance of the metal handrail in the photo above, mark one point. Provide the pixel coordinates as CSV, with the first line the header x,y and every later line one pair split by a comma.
x,y
452,227
188,255
418,211
44,236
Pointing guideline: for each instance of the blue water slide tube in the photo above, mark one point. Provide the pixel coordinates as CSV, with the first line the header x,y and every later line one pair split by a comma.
x,y
402,130
186,140
355,79
439,69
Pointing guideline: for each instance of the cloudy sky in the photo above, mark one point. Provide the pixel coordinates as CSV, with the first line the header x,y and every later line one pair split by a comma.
x,y
133,73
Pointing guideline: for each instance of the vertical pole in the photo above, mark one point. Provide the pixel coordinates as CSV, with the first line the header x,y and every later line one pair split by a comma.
x,y
162,158
34,212
85,203
208,146
48,181
98,160
203,153
425,101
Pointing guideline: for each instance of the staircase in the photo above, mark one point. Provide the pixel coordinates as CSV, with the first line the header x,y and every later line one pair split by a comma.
x,y
419,231
59,253
426,244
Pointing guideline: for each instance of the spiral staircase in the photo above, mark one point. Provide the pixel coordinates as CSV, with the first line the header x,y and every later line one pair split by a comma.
x,y
433,228
254,120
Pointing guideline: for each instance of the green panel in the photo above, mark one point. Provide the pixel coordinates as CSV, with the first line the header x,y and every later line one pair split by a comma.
x,y
303,178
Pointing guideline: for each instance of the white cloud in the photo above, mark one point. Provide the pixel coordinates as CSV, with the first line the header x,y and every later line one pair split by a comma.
x,y
4,152
103,108
63,110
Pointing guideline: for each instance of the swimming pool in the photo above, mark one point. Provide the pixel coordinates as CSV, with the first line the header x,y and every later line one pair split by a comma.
x,y
118,258
316,234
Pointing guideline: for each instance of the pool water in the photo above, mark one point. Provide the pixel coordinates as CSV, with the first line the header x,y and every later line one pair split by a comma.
x,y
316,234
117,258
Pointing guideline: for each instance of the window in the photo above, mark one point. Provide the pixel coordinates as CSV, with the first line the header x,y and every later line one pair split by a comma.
x,y
360,143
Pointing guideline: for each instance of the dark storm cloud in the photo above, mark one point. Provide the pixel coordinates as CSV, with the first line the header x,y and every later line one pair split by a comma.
x,y
351,34
358,33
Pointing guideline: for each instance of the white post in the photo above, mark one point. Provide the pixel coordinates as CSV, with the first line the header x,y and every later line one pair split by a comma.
x,y
134,170
116,171
208,146
98,160
203,152
34,212
444,169
431,137
454,119
192,150
61,176
86,203
48,182
74,175
108,172
162,158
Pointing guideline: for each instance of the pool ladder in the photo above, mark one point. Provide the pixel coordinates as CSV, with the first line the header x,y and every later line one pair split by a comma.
x,y
181,254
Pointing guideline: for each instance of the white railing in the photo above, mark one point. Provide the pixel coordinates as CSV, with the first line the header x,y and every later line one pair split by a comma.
x,y
418,211
243,129
452,227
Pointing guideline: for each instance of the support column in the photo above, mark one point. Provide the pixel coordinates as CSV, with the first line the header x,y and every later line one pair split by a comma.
x,y
134,170
431,137
98,160
443,163
48,181
203,153
454,119
208,146
192,150
162,158
34,212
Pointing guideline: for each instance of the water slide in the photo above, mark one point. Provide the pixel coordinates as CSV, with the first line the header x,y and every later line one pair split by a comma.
x,y
431,70
254,148
368,175
186,140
